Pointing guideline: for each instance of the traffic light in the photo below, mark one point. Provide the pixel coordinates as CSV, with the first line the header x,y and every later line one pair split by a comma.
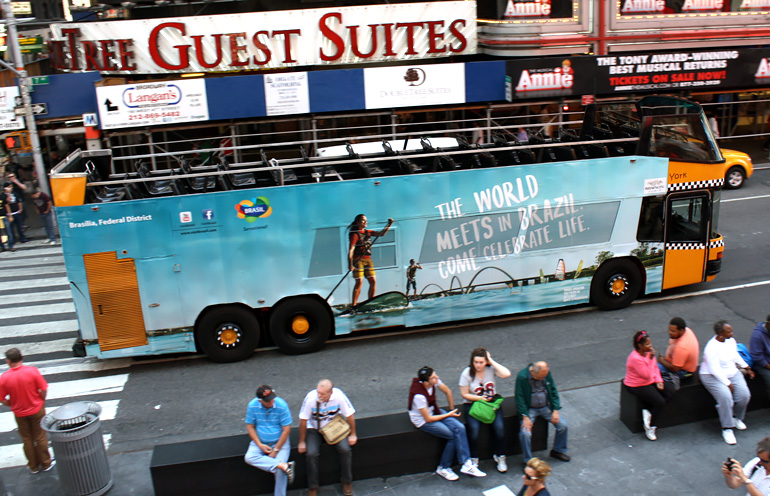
x,y
17,141
13,142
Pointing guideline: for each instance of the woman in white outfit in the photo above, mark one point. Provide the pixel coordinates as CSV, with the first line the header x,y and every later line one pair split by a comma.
x,y
721,373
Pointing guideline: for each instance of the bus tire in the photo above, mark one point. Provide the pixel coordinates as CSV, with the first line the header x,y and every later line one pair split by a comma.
x,y
228,334
735,177
616,284
300,325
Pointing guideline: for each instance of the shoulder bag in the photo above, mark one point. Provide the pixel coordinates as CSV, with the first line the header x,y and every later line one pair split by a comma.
x,y
335,430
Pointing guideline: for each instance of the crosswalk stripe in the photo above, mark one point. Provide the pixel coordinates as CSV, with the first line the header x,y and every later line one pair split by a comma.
x,y
85,366
6,263
109,410
17,330
83,387
12,455
46,346
35,297
53,310
41,283
28,271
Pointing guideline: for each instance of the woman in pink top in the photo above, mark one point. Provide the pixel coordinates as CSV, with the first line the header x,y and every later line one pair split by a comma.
x,y
644,381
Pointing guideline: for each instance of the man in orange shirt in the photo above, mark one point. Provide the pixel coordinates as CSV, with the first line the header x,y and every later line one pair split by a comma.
x,y
24,389
683,349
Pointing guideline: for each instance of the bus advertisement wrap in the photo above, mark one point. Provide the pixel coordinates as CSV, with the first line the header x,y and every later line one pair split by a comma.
x,y
515,239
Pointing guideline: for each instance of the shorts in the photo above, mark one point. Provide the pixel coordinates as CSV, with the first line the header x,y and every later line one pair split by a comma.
x,y
363,268
412,284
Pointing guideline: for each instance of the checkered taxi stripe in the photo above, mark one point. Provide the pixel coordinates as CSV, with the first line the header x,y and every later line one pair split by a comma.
x,y
711,183
685,246
716,243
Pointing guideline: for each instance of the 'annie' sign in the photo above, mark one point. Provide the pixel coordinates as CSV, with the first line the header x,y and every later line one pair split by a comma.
x,y
268,40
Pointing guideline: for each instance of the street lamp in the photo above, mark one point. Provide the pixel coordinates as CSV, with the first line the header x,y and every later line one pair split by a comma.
x,y
21,73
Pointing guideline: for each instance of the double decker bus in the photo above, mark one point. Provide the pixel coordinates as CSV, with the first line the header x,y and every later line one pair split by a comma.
x,y
222,257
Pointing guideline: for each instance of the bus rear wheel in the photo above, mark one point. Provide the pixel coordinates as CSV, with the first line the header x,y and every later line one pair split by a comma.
x,y
615,285
300,325
228,334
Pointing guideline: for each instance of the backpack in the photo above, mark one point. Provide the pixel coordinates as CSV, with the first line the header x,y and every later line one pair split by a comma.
x,y
744,353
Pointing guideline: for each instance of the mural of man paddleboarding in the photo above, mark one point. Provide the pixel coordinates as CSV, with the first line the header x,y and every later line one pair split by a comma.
x,y
360,254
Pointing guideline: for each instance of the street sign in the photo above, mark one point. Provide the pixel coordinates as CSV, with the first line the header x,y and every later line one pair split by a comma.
x,y
23,8
90,120
37,109
39,79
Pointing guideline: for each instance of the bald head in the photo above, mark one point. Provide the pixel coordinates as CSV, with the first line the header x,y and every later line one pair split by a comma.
x,y
324,389
539,370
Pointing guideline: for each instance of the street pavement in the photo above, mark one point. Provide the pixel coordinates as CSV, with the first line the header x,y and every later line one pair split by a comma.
x,y
607,458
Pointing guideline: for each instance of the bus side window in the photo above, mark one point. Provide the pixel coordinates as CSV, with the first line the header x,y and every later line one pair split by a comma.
x,y
686,220
651,220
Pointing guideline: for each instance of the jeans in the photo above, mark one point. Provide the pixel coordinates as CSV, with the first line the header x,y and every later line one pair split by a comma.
x,y
35,441
17,225
257,458
560,440
683,374
729,405
313,442
764,374
453,431
48,224
473,426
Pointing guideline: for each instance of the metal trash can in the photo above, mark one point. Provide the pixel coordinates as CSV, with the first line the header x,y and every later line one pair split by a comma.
x,y
76,436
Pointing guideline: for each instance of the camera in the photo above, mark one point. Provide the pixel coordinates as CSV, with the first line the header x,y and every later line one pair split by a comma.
x,y
730,463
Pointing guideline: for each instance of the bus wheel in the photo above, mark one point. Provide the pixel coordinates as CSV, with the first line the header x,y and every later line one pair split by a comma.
x,y
300,325
615,285
228,334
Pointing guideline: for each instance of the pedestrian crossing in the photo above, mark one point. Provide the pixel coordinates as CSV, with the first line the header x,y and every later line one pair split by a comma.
x,y
37,316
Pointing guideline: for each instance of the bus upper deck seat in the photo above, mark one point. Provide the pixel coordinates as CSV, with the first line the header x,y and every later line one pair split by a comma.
x,y
236,180
104,194
200,184
558,154
160,187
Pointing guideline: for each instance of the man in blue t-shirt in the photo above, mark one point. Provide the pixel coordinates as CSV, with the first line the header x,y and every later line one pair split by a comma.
x,y
268,422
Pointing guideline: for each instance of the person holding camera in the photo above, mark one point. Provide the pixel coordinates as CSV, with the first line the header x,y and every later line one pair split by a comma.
x,y
755,475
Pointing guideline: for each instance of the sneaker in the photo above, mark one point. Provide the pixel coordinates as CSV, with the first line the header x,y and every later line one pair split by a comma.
x,y
447,473
475,461
53,462
728,436
739,424
290,472
469,468
502,467
650,433
52,242
646,417
32,470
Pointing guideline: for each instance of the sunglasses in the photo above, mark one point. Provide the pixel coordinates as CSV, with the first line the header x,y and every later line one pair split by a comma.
x,y
763,462
529,477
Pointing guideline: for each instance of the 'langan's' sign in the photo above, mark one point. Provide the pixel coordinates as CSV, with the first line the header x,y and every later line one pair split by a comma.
x,y
260,40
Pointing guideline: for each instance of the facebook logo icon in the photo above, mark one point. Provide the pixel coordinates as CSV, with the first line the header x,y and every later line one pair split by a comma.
x,y
208,214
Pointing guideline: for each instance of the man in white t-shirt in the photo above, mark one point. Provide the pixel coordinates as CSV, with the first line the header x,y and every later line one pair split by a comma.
x,y
320,406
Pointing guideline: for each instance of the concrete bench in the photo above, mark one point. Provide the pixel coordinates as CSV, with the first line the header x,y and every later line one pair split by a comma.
x,y
388,446
692,403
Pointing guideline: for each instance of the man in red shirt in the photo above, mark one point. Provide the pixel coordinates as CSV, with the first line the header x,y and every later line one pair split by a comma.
x,y
23,389
360,254
683,350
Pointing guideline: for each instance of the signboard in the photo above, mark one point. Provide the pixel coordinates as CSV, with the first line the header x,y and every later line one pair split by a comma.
x,y
21,8
414,86
8,120
90,120
639,72
268,40
287,93
37,109
146,104
679,8
38,79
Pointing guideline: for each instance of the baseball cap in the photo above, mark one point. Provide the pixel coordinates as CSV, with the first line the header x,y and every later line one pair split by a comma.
x,y
265,393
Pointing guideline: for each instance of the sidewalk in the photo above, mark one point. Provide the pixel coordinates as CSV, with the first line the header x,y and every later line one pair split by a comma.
x,y
607,460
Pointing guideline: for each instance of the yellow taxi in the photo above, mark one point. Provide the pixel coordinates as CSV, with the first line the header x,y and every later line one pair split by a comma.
x,y
738,168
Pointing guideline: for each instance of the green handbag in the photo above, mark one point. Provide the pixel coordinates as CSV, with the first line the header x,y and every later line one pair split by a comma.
x,y
485,411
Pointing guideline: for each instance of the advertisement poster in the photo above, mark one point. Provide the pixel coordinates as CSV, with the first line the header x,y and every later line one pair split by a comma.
x,y
630,8
414,86
287,94
638,72
146,104
9,121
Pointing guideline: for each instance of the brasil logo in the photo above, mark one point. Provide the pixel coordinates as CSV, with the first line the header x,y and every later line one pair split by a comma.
x,y
251,210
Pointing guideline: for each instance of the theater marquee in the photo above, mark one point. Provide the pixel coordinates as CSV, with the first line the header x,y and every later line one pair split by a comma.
x,y
268,40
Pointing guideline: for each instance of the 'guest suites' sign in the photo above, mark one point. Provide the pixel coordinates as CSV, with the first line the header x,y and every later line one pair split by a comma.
x,y
267,40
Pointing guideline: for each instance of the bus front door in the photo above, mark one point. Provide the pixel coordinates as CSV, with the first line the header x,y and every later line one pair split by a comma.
x,y
687,228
